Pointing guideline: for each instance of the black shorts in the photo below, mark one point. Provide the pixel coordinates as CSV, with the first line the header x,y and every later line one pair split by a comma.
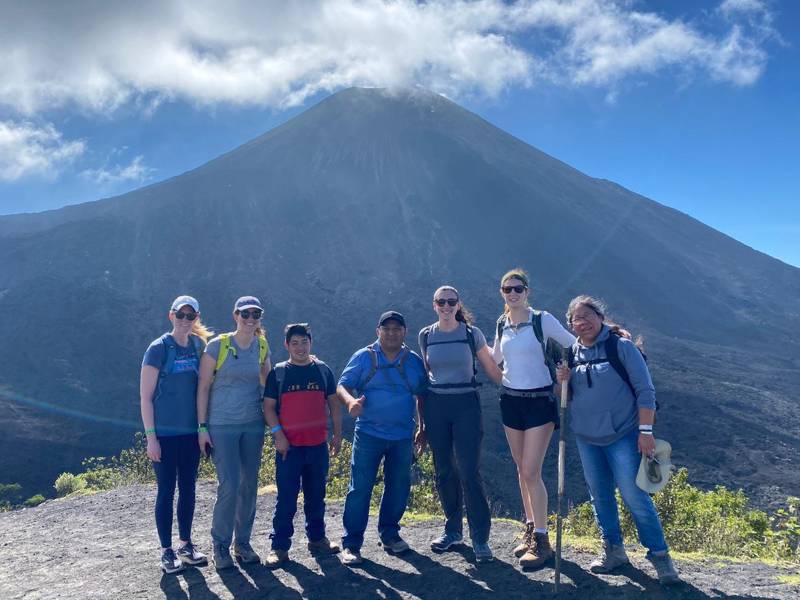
x,y
527,413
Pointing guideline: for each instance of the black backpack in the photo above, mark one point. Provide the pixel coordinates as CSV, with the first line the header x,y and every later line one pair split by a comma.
x,y
551,350
470,339
280,378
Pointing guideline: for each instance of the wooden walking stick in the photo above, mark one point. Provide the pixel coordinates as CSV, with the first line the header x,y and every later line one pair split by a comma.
x,y
562,452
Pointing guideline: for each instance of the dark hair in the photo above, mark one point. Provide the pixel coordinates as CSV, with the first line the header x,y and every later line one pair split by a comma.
x,y
463,314
301,329
517,273
599,308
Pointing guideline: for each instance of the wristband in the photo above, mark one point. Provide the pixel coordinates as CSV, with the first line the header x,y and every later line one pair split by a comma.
x,y
276,429
202,429
150,431
645,433
645,428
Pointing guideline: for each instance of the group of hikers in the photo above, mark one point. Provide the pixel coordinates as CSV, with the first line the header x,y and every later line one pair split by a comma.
x,y
220,397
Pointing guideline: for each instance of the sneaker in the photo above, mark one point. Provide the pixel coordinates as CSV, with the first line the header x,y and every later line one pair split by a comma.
x,y
245,553
189,554
276,557
351,557
527,540
395,545
322,546
446,541
170,563
665,569
222,558
611,557
483,553
538,554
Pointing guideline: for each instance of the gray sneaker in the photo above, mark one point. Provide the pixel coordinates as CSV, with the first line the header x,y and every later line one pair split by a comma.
x,y
395,545
222,558
483,553
665,569
245,553
446,541
351,557
610,558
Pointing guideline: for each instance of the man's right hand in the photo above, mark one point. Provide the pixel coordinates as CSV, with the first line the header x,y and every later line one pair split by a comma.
x,y
356,407
204,440
281,444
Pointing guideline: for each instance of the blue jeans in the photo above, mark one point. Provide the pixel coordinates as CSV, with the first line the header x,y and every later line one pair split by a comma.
x,y
306,466
368,451
616,465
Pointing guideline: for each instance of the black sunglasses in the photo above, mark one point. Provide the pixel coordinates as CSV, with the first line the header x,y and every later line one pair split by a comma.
x,y
443,301
507,289
255,313
188,316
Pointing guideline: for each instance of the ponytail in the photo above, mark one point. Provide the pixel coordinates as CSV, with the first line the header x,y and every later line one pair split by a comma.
x,y
201,331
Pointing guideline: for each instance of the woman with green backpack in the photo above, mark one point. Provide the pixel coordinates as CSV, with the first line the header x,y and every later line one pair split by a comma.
x,y
167,389
232,375
527,404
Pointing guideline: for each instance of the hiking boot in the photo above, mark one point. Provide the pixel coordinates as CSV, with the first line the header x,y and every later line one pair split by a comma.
x,y
170,563
446,541
189,554
665,569
527,541
538,554
276,557
245,553
395,545
323,546
351,557
222,558
483,553
609,559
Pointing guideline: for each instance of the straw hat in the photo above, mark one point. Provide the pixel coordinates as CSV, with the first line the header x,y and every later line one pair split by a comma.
x,y
655,473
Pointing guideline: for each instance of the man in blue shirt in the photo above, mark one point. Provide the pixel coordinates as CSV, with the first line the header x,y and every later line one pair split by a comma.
x,y
388,376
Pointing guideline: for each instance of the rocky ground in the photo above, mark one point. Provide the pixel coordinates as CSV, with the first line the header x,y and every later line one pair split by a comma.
x,y
105,547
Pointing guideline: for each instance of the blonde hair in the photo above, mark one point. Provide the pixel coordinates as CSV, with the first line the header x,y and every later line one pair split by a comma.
x,y
200,330
517,273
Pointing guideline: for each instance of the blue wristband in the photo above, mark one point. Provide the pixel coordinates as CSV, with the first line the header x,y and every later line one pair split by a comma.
x,y
276,429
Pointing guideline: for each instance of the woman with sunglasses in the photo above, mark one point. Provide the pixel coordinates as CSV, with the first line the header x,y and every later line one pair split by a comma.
x,y
527,404
232,374
612,414
167,390
450,419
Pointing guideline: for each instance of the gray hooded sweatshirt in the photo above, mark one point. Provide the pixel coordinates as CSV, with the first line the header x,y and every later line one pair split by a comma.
x,y
606,411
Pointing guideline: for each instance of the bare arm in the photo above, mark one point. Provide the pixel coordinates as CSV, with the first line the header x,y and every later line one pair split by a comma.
x,y
207,365
355,406
271,417
336,421
147,388
489,365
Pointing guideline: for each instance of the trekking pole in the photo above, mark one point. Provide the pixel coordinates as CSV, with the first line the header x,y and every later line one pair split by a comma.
x,y
562,452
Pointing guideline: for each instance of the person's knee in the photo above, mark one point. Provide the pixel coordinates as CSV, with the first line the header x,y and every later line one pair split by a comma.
x,y
531,471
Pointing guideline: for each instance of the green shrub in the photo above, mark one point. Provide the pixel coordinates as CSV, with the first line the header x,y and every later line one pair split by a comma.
x,y
67,484
34,500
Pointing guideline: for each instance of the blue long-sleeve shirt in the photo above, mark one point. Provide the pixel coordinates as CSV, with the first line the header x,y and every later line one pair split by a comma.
x,y
606,411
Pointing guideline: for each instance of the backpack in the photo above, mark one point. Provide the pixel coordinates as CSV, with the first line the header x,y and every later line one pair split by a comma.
x,y
399,365
225,348
611,347
280,378
551,350
171,350
470,339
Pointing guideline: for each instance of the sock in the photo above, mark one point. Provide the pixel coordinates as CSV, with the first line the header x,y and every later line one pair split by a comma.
x,y
540,530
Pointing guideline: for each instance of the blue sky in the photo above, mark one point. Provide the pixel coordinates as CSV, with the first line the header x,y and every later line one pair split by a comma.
x,y
693,104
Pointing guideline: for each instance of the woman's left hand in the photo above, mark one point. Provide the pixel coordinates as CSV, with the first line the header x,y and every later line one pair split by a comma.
x,y
647,445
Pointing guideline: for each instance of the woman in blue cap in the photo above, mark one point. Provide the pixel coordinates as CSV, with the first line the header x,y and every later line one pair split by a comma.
x,y
168,388
232,375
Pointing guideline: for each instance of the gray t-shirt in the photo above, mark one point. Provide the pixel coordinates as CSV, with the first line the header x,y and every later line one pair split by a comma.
x,y
450,363
235,396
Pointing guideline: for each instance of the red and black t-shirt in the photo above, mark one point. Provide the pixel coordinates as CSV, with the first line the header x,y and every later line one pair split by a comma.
x,y
302,407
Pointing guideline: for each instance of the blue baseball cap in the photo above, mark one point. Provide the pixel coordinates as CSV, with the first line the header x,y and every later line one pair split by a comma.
x,y
182,301
247,302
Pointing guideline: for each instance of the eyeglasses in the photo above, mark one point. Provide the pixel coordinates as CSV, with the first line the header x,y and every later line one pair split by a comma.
x,y
255,313
507,289
188,316
448,301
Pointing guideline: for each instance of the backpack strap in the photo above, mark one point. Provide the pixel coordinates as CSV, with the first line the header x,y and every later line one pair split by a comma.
x,y
424,347
399,365
612,354
170,349
469,340
280,379
225,348
373,356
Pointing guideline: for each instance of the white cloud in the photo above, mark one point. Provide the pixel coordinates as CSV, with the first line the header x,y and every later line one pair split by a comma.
x,y
100,56
28,149
136,172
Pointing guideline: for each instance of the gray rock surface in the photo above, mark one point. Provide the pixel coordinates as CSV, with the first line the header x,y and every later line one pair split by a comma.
x,y
105,547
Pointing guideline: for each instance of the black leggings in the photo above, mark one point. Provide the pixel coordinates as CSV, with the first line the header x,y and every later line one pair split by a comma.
x,y
180,457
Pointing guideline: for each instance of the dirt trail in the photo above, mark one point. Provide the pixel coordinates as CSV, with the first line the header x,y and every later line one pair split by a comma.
x,y
105,547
